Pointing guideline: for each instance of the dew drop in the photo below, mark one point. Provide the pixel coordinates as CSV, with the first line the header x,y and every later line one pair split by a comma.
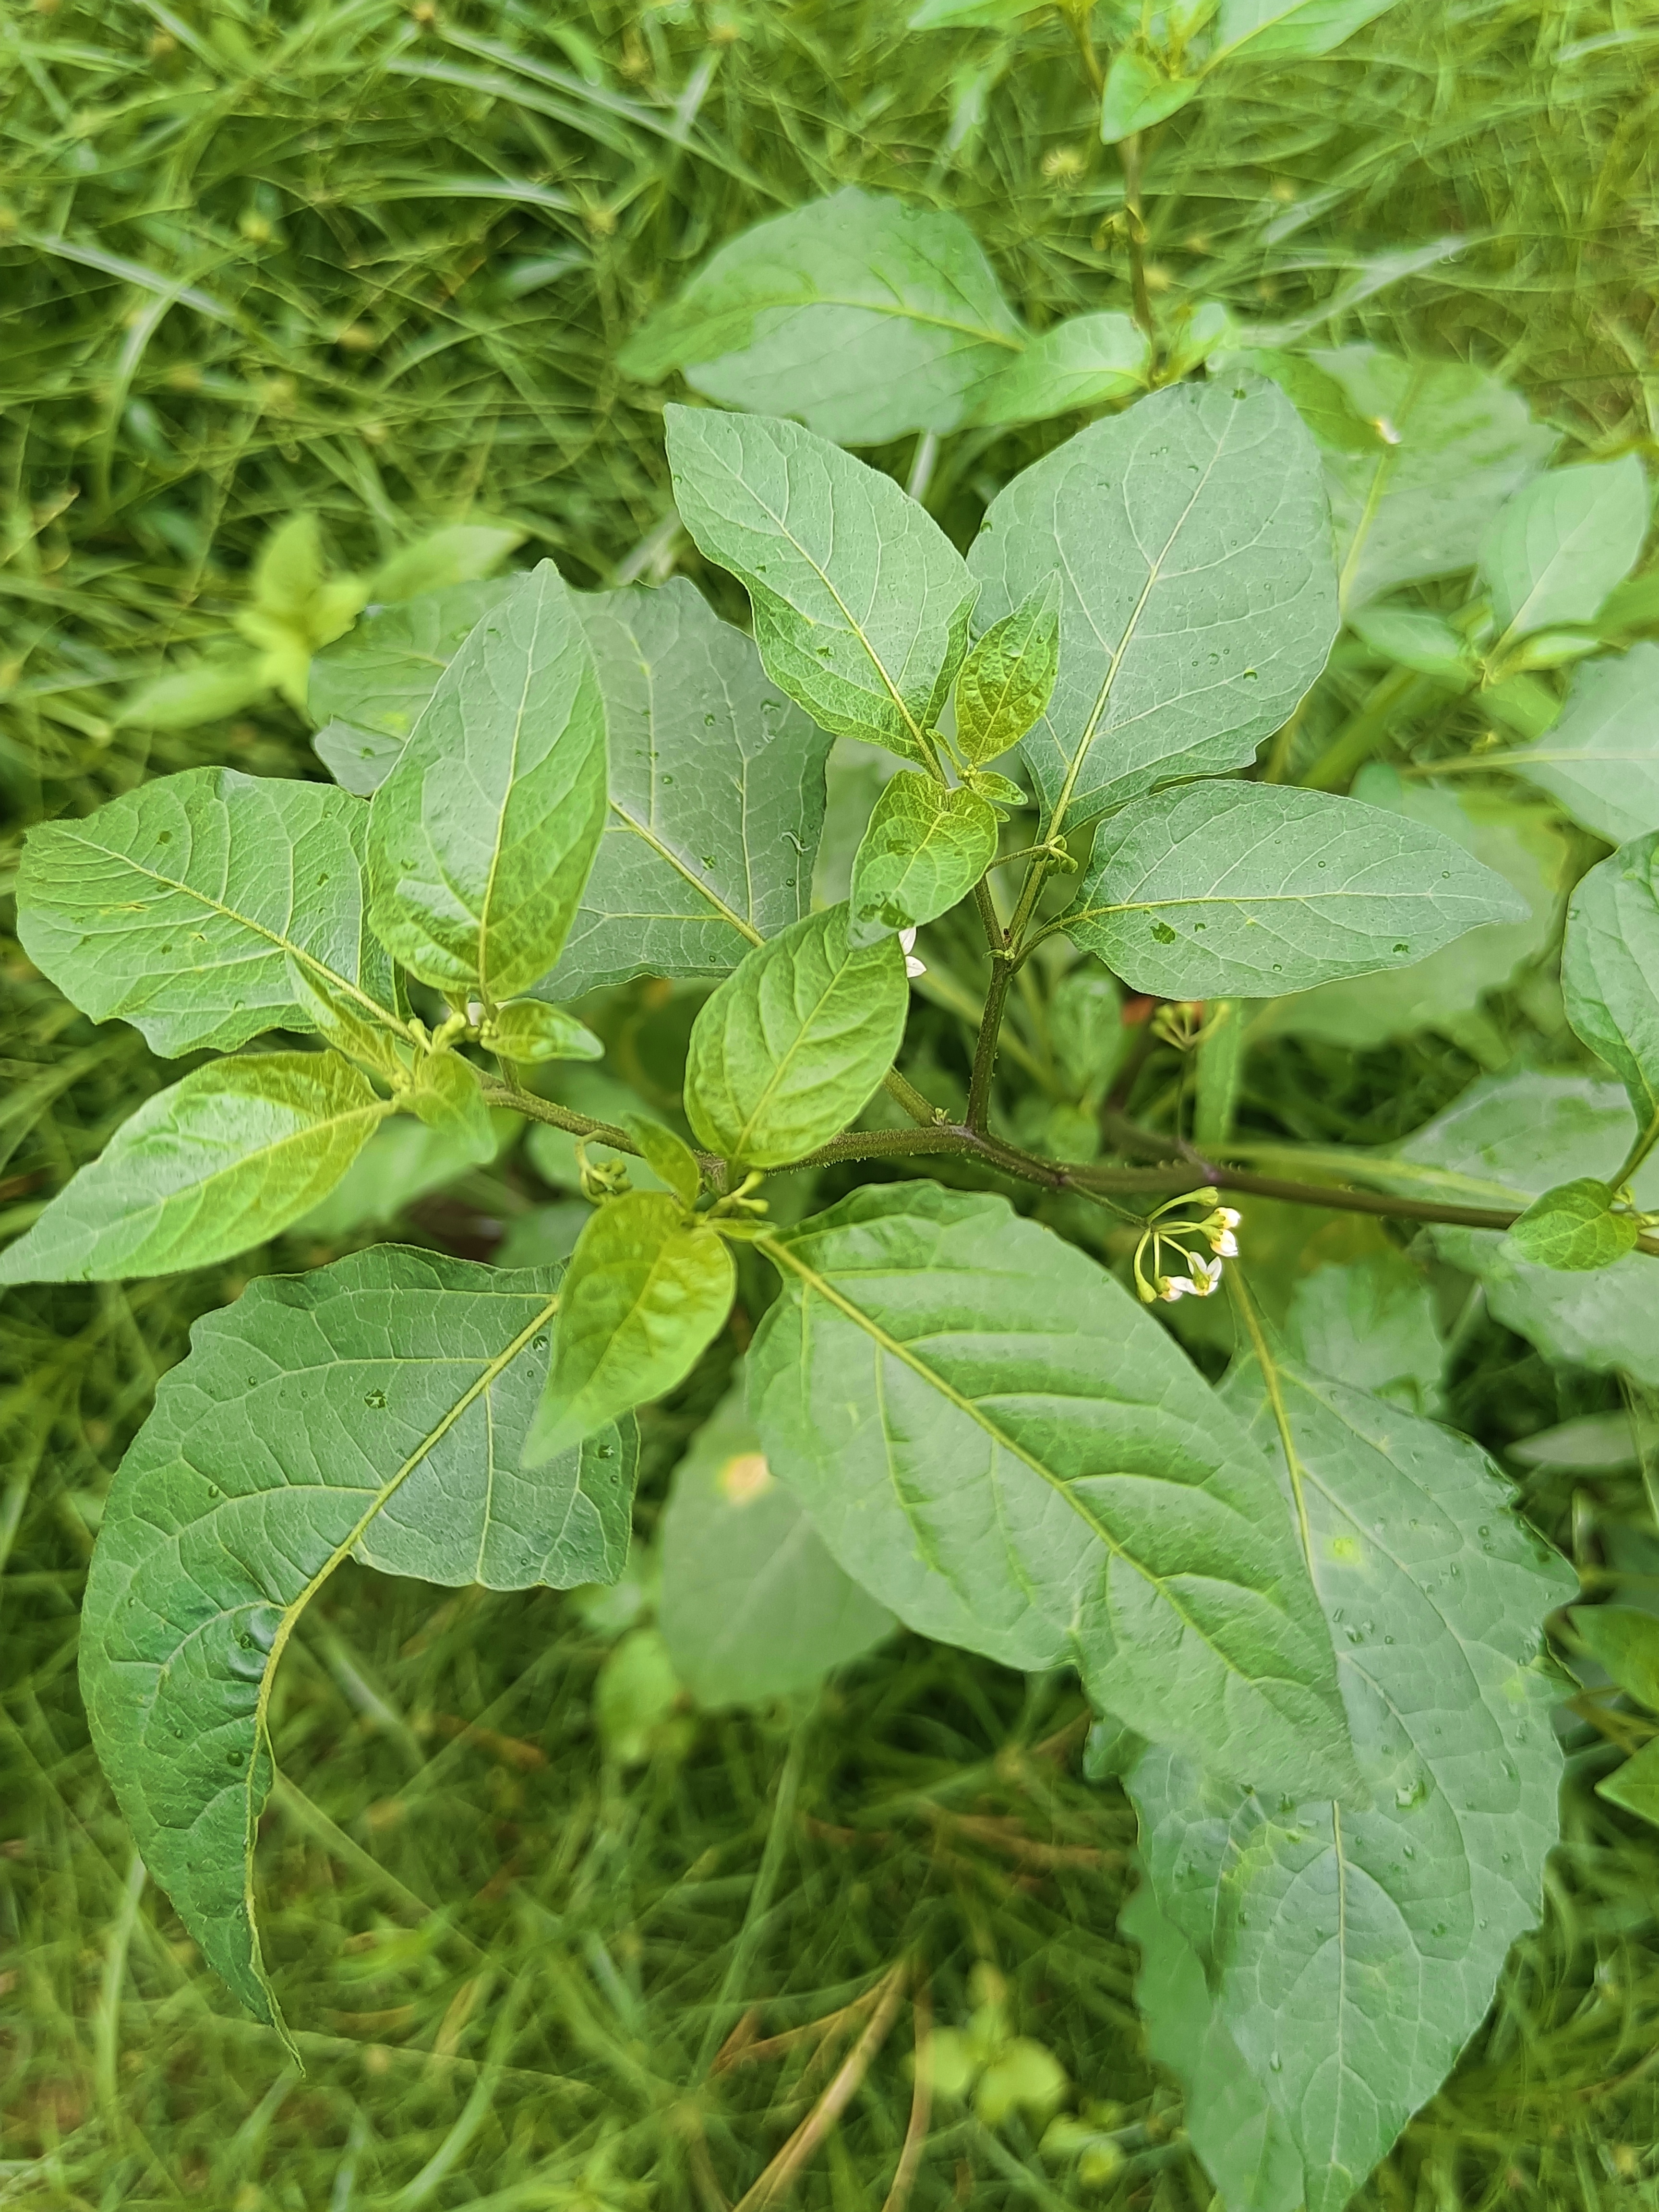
x,y
708,721
1277,2064
1402,946
538,1344
376,1399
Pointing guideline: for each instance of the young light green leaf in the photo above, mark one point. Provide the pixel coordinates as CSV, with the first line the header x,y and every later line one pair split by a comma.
x,y
1601,761
532,1030
1352,1952
376,680
863,316
1453,444
1086,1031
1369,1322
1248,890
716,799
1008,678
861,602
1623,1641
648,1290
232,1153
1242,2144
1610,969
1088,361
789,1048
178,907
1289,30
1573,1229
1139,92
956,15
370,1410
925,848
997,1441
1556,549
1412,638
1323,403
753,1606
1521,1134
674,1162
1525,843
481,839
446,1096
1199,599
1635,1785
403,1163
205,692
458,553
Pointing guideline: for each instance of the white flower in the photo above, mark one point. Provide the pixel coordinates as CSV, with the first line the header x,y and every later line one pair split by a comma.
x,y
913,967
1206,1276
1171,1287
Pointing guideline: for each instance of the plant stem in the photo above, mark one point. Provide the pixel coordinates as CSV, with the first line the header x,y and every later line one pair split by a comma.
x,y
985,1045
1085,1180
1135,227
1361,734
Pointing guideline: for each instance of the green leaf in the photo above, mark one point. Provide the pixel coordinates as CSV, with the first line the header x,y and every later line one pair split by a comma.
x,y
753,1606
1556,549
370,1410
1412,638
1289,30
231,1154
926,848
1635,1785
862,603
403,1163
459,553
358,759
1597,1443
446,1096
178,906
1573,1229
1370,1323
1610,969
1138,92
1452,445
1601,763
1323,403
1247,889
1085,1028
955,15
675,1163
376,679
1351,1953
1521,842
1088,361
1008,678
790,1048
716,798
482,836
1243,2144
1523,1133
997,1441
863,316
635,1694
1199,600
205,692
648,1289
1623,1641
532,1030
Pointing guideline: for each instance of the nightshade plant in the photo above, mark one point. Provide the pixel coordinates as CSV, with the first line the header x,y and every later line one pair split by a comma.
x,y
1309,1623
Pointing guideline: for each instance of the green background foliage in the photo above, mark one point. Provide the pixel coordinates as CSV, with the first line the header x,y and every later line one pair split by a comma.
x,y
377,264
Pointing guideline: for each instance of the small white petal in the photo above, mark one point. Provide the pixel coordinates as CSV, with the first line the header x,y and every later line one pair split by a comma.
x,y
1230,1215
907,940
1226,1243
914,968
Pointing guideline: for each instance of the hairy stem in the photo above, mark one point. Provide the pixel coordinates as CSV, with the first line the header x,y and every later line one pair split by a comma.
x,y
959,1140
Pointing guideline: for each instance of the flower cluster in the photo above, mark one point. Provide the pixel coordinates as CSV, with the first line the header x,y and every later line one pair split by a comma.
x,y
1162,1245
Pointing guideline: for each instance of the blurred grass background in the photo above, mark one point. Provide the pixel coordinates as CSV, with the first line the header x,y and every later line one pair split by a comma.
x,y
375,260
